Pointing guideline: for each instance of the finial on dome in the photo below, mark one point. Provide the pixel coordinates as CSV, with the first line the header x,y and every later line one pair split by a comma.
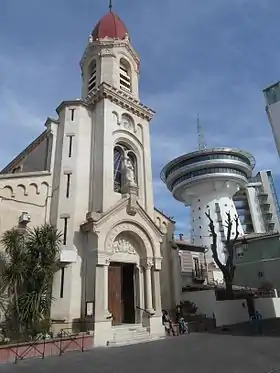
x,y
110,5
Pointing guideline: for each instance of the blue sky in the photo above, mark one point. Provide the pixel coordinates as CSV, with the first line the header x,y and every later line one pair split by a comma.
x,y
208,56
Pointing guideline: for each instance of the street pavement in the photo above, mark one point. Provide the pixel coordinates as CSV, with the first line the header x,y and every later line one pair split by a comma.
x,y
195,353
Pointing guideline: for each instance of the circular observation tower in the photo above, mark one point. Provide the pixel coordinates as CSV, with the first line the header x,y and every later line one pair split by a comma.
x,y
206,180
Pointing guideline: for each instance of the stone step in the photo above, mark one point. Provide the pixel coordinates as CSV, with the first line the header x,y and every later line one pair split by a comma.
x,y
130,337
129,334
126,335
133,341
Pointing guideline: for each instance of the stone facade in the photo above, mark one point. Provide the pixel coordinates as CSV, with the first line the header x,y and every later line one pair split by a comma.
x,y
89,174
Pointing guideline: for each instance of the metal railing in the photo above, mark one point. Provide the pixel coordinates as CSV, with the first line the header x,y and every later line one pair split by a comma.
x,y
46,344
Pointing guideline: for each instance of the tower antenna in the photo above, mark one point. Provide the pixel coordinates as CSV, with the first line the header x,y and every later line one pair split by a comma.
x,y
200,135
110,5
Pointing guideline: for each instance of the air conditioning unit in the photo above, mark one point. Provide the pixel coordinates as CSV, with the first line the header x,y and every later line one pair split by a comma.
x,y
24,218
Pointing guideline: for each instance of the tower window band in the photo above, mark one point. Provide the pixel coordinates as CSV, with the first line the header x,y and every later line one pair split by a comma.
x,y
92,76
125,75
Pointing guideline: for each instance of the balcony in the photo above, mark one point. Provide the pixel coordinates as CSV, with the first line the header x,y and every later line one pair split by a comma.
x,y
268,216
198,275
262,195
265,207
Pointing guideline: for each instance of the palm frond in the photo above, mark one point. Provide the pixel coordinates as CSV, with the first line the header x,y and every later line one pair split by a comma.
x,y
27,267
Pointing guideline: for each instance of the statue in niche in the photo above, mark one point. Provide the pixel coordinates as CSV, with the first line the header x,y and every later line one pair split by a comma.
x,y
129,170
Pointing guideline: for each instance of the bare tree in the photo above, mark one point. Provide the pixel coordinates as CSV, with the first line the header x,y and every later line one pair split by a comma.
x,y
227,268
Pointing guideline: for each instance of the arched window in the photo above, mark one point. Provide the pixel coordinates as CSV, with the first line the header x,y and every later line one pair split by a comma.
x,y
117,169
125,75
92,76
122,154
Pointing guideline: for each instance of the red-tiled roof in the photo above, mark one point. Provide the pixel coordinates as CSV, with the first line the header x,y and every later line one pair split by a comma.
x,y
110,25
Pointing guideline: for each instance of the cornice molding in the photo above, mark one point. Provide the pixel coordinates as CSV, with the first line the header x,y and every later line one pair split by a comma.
x,y
50,121
98,46
121,98
76,102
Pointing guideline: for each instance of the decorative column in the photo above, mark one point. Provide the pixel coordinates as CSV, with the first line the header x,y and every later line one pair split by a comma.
x,y
148,286
101,289
157,294
105,274
102,323
141,288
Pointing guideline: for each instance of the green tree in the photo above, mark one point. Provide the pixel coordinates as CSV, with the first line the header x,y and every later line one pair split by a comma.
x,y
227,268
29,261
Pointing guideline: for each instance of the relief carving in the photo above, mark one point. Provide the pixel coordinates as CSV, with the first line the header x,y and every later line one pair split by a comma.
x,y
127,122
129,227
149,264
123,246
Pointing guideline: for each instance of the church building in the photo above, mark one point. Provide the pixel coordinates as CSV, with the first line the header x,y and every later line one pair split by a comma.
x,y
89,174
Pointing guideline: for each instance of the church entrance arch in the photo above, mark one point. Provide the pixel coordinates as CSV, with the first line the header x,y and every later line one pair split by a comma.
x,y
126,251
121,292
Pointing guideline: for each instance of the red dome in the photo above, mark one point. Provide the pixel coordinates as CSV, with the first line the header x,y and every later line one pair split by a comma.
x,y
111,26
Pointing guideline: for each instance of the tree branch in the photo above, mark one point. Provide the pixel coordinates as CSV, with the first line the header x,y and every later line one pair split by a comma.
x,y
214,242
236,220
230,247
229,226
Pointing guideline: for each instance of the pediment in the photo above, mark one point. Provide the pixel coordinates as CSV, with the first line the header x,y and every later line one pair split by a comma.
x,y
122,210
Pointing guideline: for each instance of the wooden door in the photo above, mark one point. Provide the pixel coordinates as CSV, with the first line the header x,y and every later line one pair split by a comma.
x,y
115,293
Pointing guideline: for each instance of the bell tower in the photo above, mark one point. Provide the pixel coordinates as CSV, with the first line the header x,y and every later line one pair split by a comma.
x,y
110,58
120,150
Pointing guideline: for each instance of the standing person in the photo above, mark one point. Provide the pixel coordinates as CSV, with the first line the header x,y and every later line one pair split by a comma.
x,y
178,313
182,326
167,322
258,320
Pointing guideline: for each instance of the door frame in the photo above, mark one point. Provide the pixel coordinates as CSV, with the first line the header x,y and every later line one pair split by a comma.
x,y
136,286
113,301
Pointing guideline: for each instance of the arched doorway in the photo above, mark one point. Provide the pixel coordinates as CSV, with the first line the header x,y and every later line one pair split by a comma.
x,y
121,292
125,277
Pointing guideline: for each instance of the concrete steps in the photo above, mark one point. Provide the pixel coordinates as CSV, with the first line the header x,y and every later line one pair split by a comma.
x,y
130,334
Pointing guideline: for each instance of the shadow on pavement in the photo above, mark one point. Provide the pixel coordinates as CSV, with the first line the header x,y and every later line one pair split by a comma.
x,y
268,328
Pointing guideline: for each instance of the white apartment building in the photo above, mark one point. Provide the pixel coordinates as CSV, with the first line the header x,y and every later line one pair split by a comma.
x,y
257,205
272,99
